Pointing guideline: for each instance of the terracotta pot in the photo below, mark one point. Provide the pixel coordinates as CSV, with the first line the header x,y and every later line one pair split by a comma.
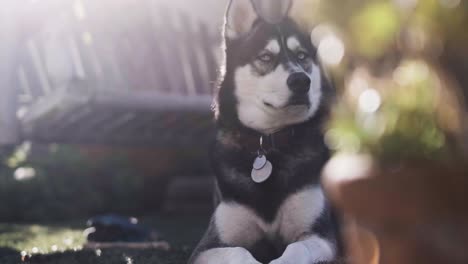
x,y
411,213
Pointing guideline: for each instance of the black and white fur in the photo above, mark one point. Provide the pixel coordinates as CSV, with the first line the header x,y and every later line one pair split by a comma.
x,y
271,81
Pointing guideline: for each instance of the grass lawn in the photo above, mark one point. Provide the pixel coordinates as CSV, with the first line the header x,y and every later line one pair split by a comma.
x,y
63,242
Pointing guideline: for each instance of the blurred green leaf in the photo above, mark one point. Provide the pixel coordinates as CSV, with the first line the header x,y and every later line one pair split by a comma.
x,y
374,28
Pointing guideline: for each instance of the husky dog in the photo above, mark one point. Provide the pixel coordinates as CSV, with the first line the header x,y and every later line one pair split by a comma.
x,y
269,150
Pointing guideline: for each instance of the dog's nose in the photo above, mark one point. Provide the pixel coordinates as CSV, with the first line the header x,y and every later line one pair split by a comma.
x,y
299,83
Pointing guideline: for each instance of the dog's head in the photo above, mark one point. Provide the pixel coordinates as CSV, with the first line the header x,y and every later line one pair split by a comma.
x,y
272,78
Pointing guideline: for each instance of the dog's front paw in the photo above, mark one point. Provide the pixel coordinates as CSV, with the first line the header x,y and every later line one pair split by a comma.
x,y
240,255
305,252
235,255
295,253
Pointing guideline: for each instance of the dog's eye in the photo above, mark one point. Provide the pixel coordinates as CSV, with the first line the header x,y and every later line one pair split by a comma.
x,y
301,55
266,57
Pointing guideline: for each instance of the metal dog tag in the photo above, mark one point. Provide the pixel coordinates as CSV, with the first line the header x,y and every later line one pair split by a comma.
x,y
261,175
260,162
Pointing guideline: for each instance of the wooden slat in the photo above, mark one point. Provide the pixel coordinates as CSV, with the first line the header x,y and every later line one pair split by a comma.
x,y
190,44
162,79
23,87
9,129
209,46
32,76
172,57
36,54
71,121
79,71
84,42
107,117
115,125
153,101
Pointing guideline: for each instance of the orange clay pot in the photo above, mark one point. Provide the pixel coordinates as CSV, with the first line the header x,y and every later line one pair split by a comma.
x,y
411,213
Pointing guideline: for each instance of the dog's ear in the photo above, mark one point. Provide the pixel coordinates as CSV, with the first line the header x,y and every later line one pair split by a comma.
x,y
273,11
239,19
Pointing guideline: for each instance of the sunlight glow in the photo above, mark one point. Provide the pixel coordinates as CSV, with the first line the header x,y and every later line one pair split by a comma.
x,y
357,85
411,73
345,167
24,174
129,260
87,38
68,241
450,3
336,140
79,10
320,32
406,4
370,101
331,50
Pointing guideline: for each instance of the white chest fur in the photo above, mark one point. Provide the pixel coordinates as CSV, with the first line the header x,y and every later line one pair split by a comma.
x,y
240,226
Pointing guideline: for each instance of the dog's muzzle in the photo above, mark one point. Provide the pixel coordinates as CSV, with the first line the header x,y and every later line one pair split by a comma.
x,y
299,83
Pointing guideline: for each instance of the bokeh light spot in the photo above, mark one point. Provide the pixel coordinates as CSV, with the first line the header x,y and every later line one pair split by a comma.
x,y
406,4
24,174
369,101
79,10
87,38
331,50
450,3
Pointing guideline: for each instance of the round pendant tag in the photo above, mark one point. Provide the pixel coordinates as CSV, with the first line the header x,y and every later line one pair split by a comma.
x,y
259,162
262,174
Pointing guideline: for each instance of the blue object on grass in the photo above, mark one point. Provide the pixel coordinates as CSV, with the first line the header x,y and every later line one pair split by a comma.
x,y
115,228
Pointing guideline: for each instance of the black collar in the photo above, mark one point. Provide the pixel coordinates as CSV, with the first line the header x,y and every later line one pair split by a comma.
x,y
238,136
254,141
